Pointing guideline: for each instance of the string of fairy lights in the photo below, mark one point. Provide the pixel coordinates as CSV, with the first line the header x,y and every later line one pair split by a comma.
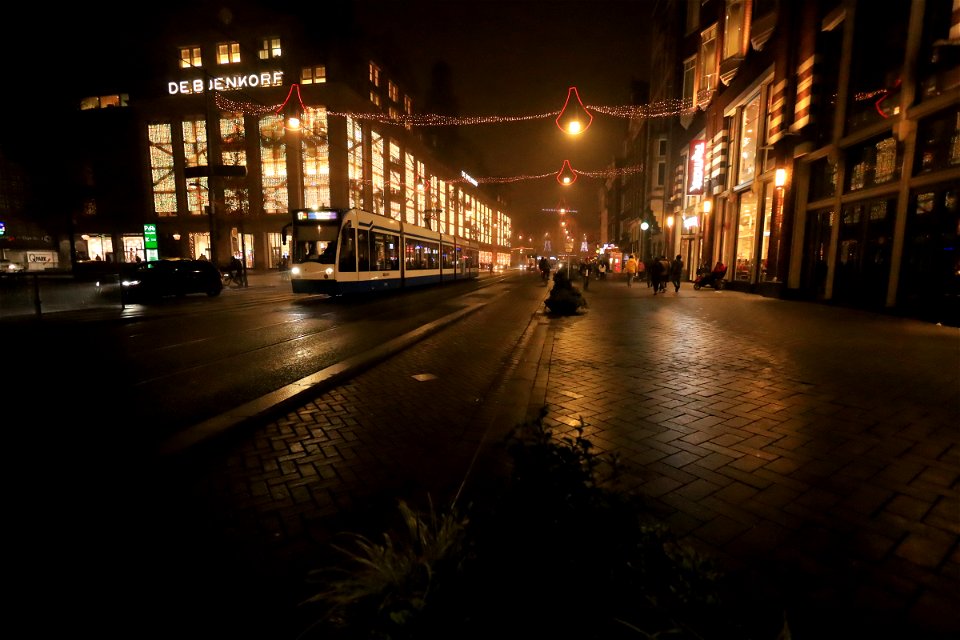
x,y
567,174
579,112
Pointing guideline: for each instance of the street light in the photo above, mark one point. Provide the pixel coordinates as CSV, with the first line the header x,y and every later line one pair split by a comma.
x,y
574,117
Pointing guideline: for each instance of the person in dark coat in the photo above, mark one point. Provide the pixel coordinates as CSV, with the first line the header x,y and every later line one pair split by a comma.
x,y
585,269
676,270
659,271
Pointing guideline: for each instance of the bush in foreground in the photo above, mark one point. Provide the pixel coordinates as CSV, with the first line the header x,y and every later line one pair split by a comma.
x,y
555,552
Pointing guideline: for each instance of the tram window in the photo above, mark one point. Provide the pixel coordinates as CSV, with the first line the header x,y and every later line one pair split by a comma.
x,y
348,249
328,252
363,249
433,255
386,251
446,256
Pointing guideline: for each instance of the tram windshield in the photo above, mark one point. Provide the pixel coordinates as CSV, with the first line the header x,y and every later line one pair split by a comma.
x,y
316,244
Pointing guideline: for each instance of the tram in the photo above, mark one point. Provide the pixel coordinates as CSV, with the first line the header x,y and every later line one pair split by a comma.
x,y
337,252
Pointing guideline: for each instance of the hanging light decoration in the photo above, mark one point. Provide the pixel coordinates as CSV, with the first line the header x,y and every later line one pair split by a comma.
x,y
574,117
566,176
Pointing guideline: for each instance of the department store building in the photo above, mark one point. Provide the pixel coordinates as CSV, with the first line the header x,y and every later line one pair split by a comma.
x,y
236,119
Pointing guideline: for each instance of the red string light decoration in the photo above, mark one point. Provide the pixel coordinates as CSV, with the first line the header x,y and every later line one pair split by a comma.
x,y
566,176
574,117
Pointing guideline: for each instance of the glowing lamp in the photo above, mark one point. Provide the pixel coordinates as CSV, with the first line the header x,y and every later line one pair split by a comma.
x,y
780,178
670,221
574,117
644,225
707,206
566,175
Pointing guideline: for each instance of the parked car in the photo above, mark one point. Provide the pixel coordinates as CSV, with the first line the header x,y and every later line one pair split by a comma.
x,y
159,278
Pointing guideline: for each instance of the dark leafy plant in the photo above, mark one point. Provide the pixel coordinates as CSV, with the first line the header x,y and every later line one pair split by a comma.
x,y
555,550
564,299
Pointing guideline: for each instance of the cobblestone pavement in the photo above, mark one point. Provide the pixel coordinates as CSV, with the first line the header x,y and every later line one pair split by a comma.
x,y
816,450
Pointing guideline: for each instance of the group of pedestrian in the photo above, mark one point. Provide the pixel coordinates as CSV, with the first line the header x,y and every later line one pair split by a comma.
x,y
659,272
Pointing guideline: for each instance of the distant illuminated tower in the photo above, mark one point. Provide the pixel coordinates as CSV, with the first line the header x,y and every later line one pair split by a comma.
x,y
546,246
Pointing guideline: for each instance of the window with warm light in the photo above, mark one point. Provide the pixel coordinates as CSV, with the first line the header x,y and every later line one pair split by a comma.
x,y
733,24
374,75
104,102
746,235
393,91
355,161
190,57
410,188
273,165
749,121
313,75
163,178
228,53
689,81
195,154
269,48
316,158
708,64
233,149
377,173
375,98
407,105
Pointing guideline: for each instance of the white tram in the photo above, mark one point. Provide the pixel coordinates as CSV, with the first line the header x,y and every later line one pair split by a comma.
x,y
339,252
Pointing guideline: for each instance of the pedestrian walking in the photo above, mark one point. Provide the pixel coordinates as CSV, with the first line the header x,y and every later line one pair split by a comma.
x,y
664,268
631,269
544,266
585,269
676,270
656,274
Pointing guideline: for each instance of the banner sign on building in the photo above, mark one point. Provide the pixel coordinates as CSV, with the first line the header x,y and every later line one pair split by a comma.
x,y
695,167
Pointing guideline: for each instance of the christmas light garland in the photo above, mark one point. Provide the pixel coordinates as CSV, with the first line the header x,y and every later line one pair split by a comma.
x,y
566,176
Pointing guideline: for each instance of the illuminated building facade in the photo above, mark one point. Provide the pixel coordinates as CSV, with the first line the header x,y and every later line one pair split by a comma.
x,y
199,148
817,153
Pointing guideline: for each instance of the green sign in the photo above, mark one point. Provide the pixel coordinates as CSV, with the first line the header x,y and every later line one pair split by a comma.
x,y
150,236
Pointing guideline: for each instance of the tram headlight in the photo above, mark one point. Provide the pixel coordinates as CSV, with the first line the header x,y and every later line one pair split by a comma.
x,y
295,271
328,272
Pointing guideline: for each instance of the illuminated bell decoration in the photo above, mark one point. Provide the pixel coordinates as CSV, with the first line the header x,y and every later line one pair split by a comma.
x,y
566,175
574,117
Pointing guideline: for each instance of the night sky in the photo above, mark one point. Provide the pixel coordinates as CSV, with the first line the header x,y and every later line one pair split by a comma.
x,y
518,58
